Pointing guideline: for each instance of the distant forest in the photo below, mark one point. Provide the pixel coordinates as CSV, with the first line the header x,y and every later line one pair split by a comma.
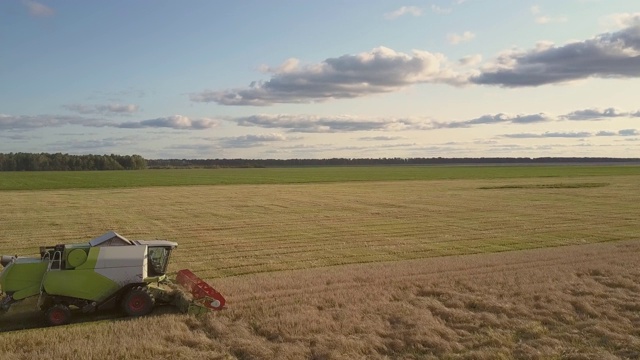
x,y
64,162
238,163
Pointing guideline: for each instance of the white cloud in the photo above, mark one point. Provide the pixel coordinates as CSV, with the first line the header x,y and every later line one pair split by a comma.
x,y
37,9
628,132
84,145
383,70
331,124
109,109
624,132
595,114
246,141
22,122
119,108
470,60
380,70
460,38
344,124
500,118
174,122
547,19
573,134
309,123
440,10
608,55
622,20
568,134
404,10
381,138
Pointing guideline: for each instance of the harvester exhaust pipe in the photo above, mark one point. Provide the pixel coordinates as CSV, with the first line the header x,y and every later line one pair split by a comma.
x,y
6,259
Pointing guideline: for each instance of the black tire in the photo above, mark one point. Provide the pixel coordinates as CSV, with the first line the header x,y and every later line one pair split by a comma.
x,y
58,314
138,301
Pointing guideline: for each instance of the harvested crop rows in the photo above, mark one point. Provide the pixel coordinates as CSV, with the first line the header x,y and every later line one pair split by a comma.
x,y
396,269
574,302
245,229
571,302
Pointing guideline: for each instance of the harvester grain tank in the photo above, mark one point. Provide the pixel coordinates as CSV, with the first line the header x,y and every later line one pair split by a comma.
x,y
106,272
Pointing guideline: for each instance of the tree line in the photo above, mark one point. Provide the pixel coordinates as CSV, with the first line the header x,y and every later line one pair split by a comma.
x,y
247,163
65,162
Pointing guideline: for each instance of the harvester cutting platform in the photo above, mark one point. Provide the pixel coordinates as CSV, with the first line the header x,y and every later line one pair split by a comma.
x,y
103,273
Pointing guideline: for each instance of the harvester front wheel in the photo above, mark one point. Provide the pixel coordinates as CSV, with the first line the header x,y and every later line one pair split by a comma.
x,y
58,314
138,301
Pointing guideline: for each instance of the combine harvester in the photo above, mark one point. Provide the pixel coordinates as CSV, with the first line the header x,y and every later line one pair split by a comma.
x,y
103,273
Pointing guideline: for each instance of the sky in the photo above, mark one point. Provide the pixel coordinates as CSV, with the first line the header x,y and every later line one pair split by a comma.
x,y
283,79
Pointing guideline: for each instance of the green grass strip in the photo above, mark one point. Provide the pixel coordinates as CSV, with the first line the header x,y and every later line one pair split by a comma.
x,y
180,177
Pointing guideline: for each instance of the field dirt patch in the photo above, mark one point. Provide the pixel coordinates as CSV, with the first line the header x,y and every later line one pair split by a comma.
x,y
577,185
574,302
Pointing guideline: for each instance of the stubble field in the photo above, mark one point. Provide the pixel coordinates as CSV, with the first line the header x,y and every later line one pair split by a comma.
x,y
367,269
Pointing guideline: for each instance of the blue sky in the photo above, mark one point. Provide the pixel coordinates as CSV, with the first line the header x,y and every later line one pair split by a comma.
x,y
318,79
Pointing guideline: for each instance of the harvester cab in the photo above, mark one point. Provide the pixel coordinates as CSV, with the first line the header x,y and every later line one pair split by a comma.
x,y
106,272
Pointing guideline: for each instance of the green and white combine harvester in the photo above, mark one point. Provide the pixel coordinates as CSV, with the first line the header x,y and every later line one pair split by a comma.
x,y
103,273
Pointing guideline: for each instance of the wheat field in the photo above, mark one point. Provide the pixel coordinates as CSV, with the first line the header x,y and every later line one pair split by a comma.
x,y
371,270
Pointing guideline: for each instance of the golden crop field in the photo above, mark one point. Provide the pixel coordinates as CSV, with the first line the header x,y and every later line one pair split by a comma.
x,y
348,270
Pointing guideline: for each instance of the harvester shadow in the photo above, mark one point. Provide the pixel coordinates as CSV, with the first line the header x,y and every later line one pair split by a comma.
x,y
34,319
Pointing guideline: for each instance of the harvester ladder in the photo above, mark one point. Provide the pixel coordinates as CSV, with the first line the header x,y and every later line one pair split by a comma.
x,y
57,258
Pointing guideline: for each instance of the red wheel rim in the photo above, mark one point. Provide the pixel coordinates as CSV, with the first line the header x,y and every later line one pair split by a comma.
x,y
57,316
137,303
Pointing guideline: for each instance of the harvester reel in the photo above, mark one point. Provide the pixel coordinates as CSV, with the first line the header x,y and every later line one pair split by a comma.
x,y
138,301
58,314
